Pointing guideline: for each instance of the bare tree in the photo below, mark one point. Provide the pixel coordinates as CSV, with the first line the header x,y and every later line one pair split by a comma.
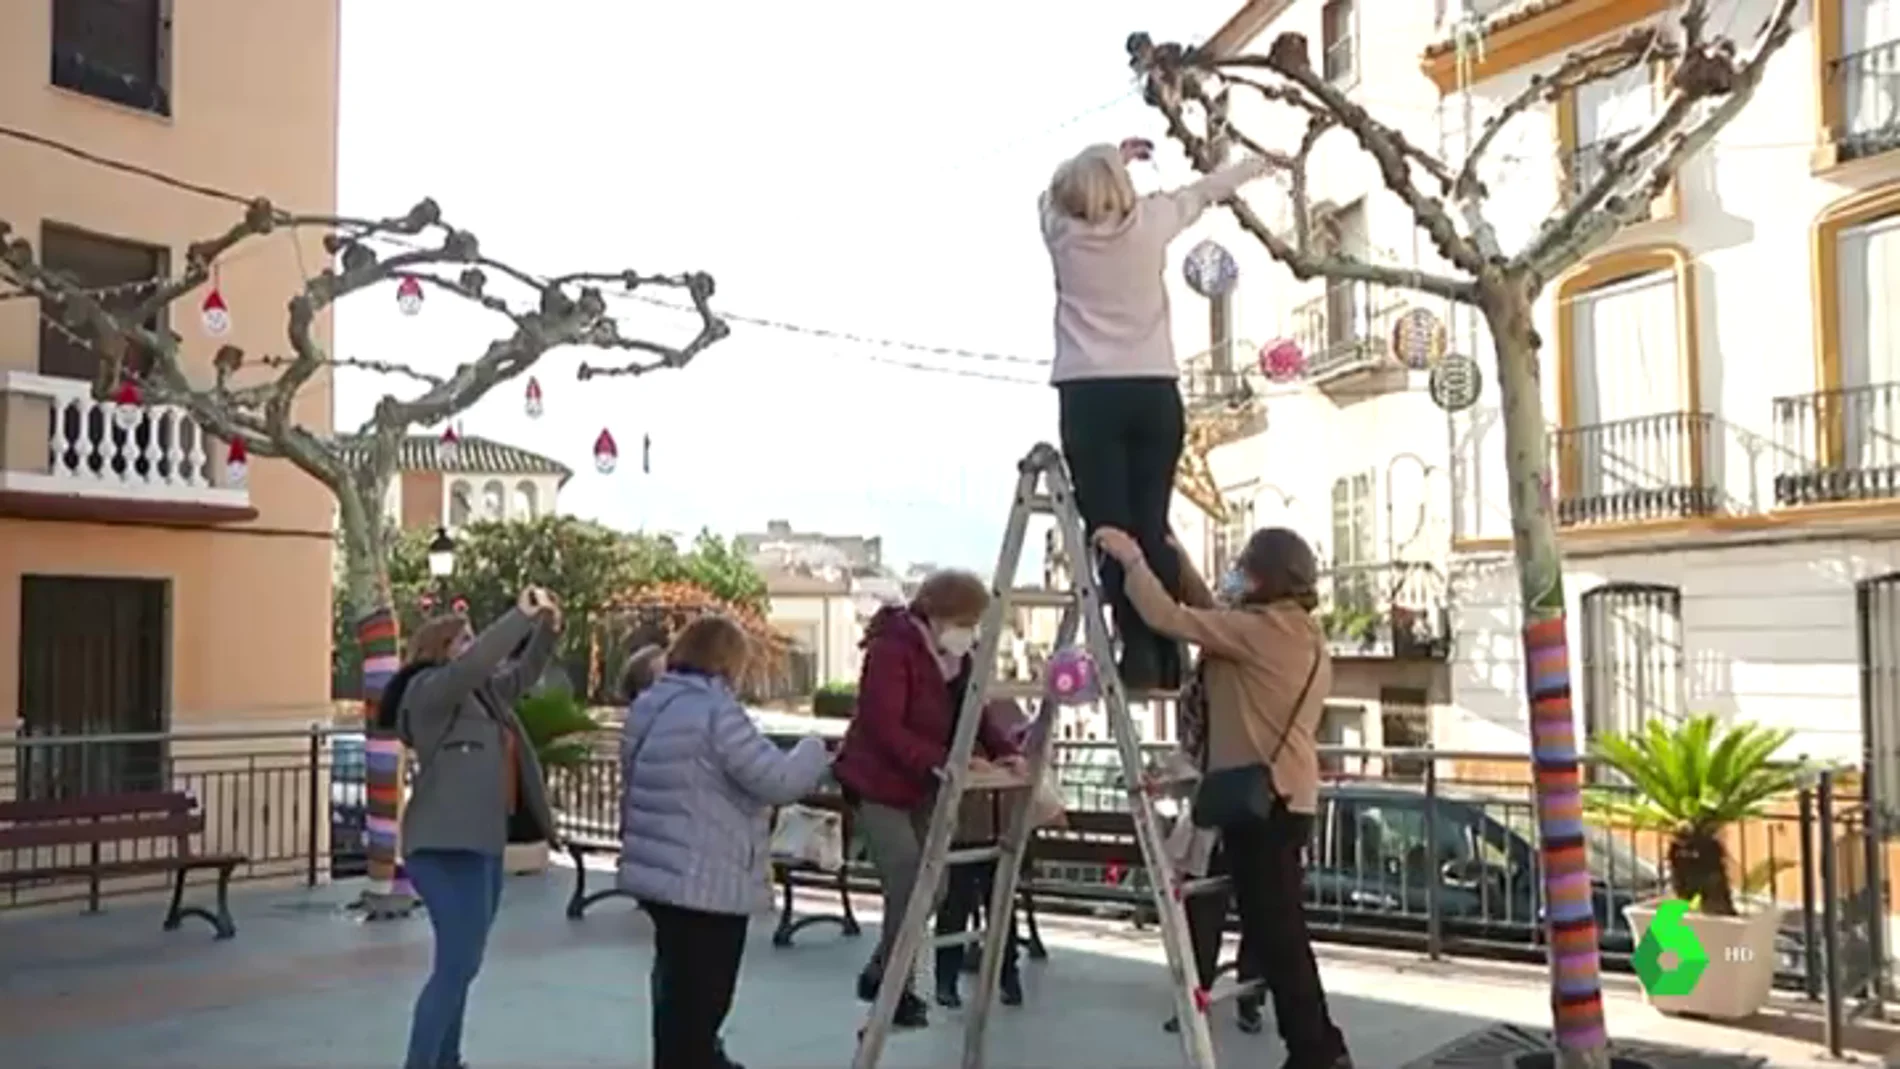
x,y
1712,79
250,402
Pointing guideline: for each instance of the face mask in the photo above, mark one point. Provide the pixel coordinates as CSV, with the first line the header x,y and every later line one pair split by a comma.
x,y
957,641
1233,586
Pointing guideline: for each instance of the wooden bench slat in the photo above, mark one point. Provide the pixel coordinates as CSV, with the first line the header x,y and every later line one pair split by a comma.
x,y
30,836
95,805
110,869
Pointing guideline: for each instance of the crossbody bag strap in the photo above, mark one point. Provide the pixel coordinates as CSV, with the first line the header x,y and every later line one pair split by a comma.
x,y
640,743
1299,706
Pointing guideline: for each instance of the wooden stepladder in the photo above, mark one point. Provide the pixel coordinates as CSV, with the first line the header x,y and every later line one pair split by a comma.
x,y
1042,489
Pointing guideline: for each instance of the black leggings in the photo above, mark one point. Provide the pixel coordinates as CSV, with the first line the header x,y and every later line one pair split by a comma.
x,y
695,971
1265,859
1122,439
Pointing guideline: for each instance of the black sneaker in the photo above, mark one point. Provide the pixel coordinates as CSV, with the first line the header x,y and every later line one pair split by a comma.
x,y
1250,1021
867,987
947,995
1011,990
911,1012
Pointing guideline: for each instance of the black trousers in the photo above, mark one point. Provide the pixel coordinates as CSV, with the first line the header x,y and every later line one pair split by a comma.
x,y
966,899
695,971
1207,922
1122,439
1265,858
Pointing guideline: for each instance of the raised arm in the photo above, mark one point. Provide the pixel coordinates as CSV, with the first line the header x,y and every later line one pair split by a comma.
x,y
444,688
1182,208
1219,631
520,675
760,768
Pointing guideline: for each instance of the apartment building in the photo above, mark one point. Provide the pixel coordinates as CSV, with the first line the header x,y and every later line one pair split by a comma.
x,y
141,588
1351,453
1723,386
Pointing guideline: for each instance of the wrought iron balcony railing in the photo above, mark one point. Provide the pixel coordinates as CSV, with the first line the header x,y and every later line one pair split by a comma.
x,y
1388,609
1349,329
1634,470
1838,445
1869,84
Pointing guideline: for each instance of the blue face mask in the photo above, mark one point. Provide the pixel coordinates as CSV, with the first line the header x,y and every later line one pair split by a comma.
x,y
1233,586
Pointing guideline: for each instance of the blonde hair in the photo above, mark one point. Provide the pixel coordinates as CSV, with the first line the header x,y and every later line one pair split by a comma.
x,y
433,640
1093,186
713,644
952,596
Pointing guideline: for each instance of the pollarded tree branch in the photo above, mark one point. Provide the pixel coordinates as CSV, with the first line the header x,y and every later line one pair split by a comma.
x,y
1638,171
1167,92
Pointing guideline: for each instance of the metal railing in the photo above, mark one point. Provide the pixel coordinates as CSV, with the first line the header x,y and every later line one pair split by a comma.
x,y
1634,470
1347,329
1838,445
1869,84
1388,609
1443,857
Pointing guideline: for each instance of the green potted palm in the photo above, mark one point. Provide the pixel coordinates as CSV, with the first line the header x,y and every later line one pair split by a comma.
x,y
1689,781
559,729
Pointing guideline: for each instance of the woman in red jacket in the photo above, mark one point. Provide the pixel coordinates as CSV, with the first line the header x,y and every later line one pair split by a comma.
x,y
893,753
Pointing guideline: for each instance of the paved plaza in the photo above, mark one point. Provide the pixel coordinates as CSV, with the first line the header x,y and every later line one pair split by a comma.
x,y
305,985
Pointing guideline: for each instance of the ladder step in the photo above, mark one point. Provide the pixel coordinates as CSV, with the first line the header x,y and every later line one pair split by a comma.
x,y
966,938
1032,690
973,855
1040,504
1205,885
1038,597
1228,990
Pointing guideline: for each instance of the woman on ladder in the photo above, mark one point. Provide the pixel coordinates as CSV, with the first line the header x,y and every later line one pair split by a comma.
x,y
1115,373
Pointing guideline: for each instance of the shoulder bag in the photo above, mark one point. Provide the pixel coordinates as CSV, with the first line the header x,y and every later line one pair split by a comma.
x,y
1246,793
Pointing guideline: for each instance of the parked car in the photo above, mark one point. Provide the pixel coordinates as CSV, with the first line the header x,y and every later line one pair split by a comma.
x,y
349,806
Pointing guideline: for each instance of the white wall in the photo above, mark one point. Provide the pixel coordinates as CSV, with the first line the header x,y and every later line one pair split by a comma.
x,y
833,619
542,500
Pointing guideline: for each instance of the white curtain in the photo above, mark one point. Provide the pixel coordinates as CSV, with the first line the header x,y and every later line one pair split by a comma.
x,y
1872,81
1607,108
1626,363
1868,288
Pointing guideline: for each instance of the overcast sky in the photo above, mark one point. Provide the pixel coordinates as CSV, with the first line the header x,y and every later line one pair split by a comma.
x,y
857,165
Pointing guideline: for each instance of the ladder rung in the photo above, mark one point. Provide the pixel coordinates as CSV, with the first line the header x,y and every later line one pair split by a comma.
x,y
996,779
973,855
1040,503
1205,885
967,937
1038,597
1031,690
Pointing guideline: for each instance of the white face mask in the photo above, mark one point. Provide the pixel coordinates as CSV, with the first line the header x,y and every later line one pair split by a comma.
x,y
1233,586
957,641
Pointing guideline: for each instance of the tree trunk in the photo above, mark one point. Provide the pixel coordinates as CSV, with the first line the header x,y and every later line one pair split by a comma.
x,y
1576,992
366,593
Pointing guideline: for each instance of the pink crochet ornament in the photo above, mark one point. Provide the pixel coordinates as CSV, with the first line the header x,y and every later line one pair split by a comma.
x,y
1282,360
1071,678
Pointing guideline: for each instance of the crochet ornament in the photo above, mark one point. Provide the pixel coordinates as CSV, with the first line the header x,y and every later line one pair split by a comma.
x,y
606,453
1071,678
1282,361
127,414
215,314
448,450
409,295
533,405
1210,270
1419,340
1455,383
237,463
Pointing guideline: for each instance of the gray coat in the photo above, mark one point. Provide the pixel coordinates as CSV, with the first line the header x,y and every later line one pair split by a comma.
x,y
698,783
455,718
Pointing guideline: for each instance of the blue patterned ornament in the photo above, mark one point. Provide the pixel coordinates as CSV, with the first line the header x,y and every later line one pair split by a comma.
x,y
1071,678
1210,270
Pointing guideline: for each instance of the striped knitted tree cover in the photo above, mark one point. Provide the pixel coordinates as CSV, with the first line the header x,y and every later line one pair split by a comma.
x,y
389,893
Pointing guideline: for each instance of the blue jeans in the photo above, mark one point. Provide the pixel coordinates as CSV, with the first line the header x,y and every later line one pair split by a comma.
x,y
462,890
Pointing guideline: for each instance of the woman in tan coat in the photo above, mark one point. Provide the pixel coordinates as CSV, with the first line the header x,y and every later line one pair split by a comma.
x,y
1267,674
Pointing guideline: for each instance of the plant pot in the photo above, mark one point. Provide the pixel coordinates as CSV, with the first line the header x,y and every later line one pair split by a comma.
x,y
524,859
1741,970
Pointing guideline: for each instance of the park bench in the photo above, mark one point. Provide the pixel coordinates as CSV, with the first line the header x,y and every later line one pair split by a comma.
x,y
137,826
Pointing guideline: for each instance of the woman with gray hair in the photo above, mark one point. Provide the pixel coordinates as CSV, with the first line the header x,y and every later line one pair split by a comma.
x,y
1115,373
1267,671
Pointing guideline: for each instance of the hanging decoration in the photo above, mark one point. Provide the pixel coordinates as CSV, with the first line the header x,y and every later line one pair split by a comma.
x,y
128,405
1210,270
237,463
1419,340
1456,383
409,295
606,453
448,450
426,603
1070,677
646,454
1281,361
459,606
533,405
214,312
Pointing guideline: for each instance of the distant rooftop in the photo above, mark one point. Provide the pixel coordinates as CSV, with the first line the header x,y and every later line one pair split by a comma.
x,y
477,456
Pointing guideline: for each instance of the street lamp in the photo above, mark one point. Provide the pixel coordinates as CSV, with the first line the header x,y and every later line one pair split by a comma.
x,y
442,554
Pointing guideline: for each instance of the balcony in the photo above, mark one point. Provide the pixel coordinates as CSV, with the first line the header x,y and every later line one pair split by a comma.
x,y
1218,393
1838,445
66,455
1638,470
1348,331
1869,84
1391,609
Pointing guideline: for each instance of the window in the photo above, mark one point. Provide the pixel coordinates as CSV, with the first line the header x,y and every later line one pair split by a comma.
x,y
1868,259
1858,83
526,500
115,269
1337,40
116,50
461,502
1405,723
1353,544
494,500
1600,114
1342,725
1632,657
